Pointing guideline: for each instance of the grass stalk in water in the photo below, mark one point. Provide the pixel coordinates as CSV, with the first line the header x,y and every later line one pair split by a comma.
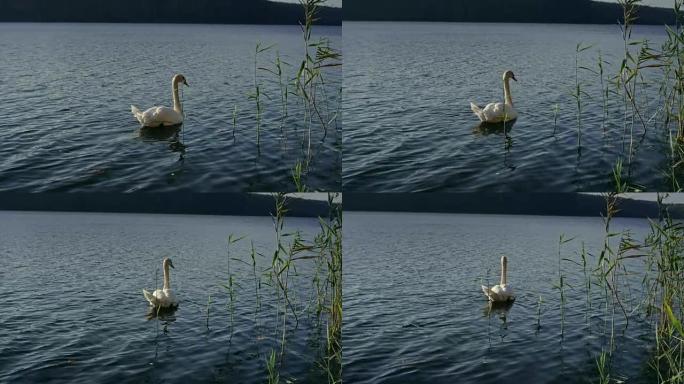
x,y
334,329
620,186
663,291
310,74
271,366
297,174
283,88
604,89
208,306
235,120
603,367
561,281
578,92
257,279
325,250
256,96
539,306
556,109
231,286
587,278
665,246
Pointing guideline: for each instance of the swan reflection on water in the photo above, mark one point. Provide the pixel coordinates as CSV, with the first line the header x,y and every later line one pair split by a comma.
x,y
160,133
499,309
165,315
170,134
486,129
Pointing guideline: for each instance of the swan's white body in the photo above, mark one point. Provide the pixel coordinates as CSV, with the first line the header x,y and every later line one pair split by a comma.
x,y
162,298
163,116
498,112
502,292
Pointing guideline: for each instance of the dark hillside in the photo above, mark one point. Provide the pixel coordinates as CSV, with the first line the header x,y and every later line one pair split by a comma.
x,y
551,204
513,11
161,11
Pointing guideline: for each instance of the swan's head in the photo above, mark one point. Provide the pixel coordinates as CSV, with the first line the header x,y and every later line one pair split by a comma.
x,y
509,75
504,260
168,262
180,79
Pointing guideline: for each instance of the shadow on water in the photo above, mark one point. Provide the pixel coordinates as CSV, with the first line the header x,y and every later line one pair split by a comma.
x,y
486,129
164,315
160,133
170,134
499,310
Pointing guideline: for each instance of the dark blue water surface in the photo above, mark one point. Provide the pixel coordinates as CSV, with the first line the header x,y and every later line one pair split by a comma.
x,y
73,309
409,127
415,313
66,125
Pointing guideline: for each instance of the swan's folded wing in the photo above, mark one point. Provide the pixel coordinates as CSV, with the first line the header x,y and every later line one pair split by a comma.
x,y
150,297
164,115
136,112
478,112
487,292
494,112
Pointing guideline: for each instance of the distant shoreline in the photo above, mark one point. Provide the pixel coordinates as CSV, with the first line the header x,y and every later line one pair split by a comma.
x,y
532,204
160,23
206,204
250,12
511,11
493,23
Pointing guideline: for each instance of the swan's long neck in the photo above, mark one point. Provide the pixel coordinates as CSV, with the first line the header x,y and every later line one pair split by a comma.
x,y
167,285
507,92
176,100
504,267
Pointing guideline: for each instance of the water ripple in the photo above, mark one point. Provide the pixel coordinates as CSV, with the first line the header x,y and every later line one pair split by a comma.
x,y
73,311
65,121
414,311
409,128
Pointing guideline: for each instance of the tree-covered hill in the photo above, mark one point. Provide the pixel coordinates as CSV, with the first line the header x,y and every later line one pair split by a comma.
x,y
161,11
515,11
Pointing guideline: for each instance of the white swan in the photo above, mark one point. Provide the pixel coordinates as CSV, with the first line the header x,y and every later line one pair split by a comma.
x,y
498,112
163,298
163,116
502,292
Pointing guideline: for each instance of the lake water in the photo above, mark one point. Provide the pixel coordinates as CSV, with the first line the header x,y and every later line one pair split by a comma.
x,y
414,311
409,127
73,310
66,125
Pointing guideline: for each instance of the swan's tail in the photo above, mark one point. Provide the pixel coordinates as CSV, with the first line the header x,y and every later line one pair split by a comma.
x,y
138,115
478,111
149,296
487,292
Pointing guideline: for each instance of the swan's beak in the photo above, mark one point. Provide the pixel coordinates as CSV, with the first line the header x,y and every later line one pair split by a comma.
x,y
513,77
186,83
171,264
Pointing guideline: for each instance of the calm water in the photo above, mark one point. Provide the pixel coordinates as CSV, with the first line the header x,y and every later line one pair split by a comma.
x,y
409,127
66,125
73,310
414,311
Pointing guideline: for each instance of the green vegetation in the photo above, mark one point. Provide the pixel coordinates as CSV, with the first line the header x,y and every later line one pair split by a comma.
x,y
630,111
616,266
301,281
306,86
